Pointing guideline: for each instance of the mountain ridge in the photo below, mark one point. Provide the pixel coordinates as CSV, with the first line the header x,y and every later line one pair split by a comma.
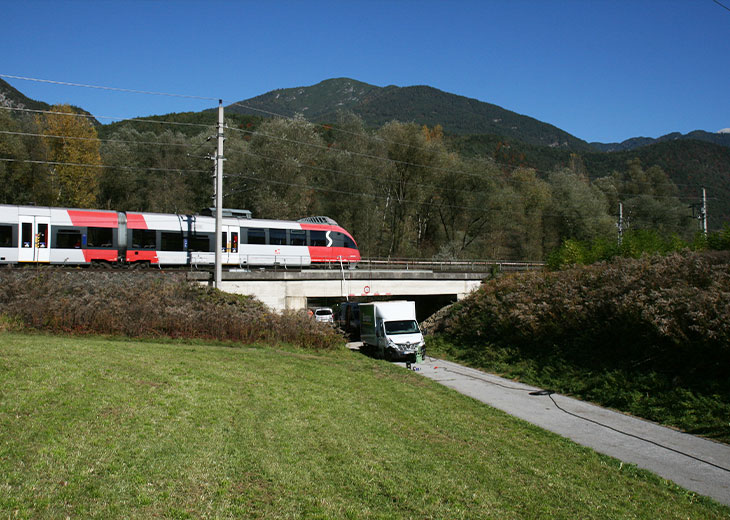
x,y
13,98
423,104
721,138
420,103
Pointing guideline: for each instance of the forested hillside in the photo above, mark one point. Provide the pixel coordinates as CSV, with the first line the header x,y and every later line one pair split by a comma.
x,y
402,188
690,164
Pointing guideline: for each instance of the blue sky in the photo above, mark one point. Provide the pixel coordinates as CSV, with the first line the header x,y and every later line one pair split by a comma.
x,y
601,70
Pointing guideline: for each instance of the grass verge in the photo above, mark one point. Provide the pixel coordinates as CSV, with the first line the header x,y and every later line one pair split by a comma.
x,y
100,428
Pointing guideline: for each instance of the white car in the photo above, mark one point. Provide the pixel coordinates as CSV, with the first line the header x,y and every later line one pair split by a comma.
x,y
323,314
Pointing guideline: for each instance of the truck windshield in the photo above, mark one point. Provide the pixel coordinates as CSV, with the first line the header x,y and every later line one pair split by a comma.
x,y
401,327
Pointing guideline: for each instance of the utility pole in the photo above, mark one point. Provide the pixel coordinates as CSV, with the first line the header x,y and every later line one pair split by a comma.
x,y
219,200
703,213
620,223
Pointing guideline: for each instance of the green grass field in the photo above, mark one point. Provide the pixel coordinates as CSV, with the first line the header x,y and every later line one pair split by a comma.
x,y
100,428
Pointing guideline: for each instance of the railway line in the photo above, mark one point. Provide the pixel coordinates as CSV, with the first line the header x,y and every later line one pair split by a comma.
x,y
365,265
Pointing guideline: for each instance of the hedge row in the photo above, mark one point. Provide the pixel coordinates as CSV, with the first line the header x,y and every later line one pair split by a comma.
x,y
138,304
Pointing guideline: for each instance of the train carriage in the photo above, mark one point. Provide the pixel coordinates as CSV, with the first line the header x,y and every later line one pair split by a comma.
x,y
30,234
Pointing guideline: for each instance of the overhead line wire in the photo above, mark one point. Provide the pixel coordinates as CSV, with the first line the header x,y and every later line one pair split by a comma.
x,y
406,163
272,181
481,177
327,126
207,98
721,5
377,138
341,172
115,118
383,197
102,87
97,139
105,166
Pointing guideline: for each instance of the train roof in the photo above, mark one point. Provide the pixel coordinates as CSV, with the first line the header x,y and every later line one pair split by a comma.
x,y
318,220
227,212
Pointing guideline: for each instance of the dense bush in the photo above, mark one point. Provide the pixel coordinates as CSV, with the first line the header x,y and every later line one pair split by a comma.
x,y
149,305
649,336
666,312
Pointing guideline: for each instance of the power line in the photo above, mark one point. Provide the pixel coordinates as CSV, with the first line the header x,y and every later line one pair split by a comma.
x,y
435,187
341,172
331,170
312,167
299,185
721,5
425,166
187,96
104,166
114,118
328,126
390,198
97,139
102,87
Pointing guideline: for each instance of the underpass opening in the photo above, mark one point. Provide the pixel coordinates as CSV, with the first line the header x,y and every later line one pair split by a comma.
x,y
426,305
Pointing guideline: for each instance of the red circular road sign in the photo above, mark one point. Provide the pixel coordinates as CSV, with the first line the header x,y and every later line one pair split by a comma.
x,y
366,289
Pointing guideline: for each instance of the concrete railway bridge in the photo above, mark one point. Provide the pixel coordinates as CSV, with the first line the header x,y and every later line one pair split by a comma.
x,y
431,285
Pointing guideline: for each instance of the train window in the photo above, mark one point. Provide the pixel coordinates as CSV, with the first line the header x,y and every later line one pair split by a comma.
x,y
318,238
42,237
67,239
199,243
144,239
99,237
256,236
298,237
338,239
6,236
342,240
27,234
277,237
172,242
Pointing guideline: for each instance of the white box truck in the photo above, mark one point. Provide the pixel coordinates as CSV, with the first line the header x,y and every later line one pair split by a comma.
x,y
390,330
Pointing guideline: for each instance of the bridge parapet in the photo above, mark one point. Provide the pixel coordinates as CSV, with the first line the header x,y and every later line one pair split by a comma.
x,y
289,290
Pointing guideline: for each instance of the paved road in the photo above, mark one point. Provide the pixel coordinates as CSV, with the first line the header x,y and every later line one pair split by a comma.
x,y
697,464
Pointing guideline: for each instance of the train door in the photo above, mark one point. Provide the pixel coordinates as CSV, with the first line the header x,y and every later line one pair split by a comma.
x,y
34,244
230,245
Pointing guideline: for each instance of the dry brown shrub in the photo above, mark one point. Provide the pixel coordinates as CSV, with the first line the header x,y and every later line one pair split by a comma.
x,y
670,313
149,305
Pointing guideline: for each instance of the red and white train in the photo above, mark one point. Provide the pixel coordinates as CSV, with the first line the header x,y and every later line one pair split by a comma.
x,y
32,234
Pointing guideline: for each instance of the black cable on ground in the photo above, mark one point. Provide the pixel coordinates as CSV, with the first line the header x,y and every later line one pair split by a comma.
x,y
550,393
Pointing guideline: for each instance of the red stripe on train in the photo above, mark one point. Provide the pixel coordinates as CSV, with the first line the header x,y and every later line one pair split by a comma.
x,y
101,219
145,255
107,255
333,254
136,221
